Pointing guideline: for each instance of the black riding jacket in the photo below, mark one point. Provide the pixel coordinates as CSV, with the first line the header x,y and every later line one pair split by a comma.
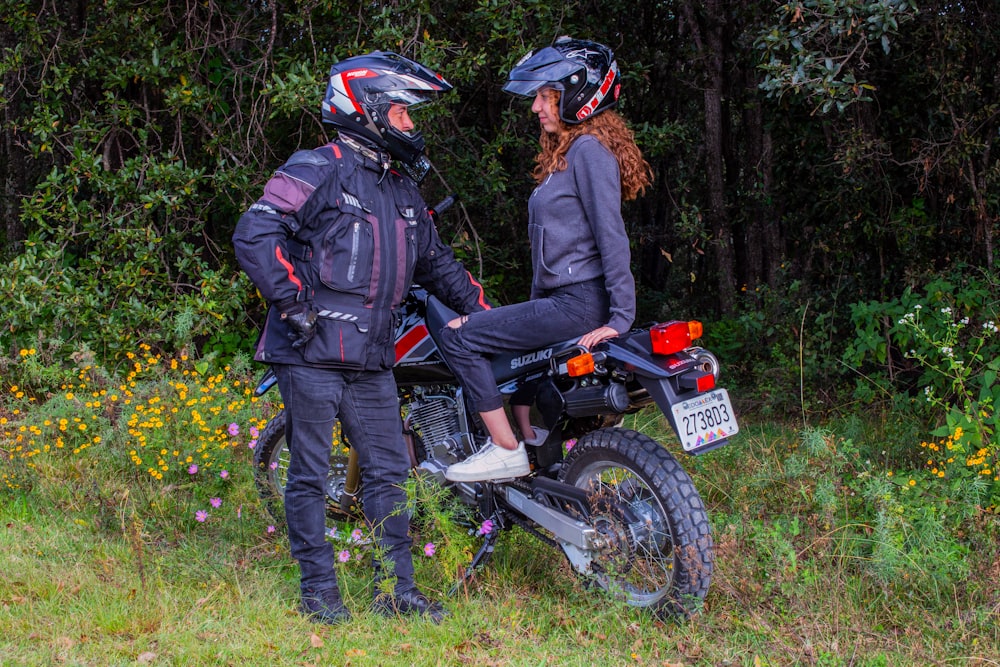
x,y
336,231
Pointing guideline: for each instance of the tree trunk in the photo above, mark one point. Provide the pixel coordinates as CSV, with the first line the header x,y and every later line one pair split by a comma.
x,y
762,237
718,223
15,162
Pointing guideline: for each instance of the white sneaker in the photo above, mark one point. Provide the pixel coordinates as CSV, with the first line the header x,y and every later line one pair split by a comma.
x,y
540,436
490,463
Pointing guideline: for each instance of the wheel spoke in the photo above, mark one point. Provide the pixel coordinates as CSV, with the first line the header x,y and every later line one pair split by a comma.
x,y
653,546
638,561
272,459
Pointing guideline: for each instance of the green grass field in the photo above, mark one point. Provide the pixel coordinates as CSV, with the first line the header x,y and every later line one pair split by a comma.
x,y
822,557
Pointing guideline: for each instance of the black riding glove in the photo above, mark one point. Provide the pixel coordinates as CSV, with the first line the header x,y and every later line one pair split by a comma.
x,y
301,319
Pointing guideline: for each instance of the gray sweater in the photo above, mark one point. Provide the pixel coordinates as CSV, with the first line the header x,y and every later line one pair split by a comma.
x,y
577,232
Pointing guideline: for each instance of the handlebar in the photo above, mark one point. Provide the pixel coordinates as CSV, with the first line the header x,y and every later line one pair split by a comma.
x,y
442,206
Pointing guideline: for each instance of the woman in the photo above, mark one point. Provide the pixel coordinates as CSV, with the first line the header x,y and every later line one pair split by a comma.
x,y
581,281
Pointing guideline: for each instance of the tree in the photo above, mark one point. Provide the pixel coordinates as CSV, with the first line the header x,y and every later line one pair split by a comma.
x,y
843,147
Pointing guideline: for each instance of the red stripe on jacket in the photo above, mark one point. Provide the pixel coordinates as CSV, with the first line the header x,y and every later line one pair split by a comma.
x,y
288,267
482,293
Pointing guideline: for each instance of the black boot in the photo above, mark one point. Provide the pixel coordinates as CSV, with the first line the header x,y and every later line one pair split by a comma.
x,y
409,602
324,606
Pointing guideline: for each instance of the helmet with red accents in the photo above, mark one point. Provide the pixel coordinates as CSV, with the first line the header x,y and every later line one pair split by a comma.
x,y
585,73
361,89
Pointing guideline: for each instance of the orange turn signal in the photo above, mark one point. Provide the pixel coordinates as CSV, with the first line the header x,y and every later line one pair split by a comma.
x,y
580,365
671,337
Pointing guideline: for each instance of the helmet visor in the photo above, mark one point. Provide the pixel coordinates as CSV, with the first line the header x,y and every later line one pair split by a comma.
x,y
529,88
410,97
543,68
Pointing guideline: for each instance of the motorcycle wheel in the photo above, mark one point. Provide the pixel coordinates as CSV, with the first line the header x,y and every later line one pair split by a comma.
x,y
656,540
271,459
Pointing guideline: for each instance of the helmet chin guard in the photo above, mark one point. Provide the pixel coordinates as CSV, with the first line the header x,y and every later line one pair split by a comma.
x,y
585,73
360,91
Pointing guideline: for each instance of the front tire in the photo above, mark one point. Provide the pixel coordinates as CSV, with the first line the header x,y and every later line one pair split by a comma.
x,y
271,458
657,548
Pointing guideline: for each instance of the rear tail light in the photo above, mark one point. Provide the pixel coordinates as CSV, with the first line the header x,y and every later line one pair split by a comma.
x,y
700,381
671,337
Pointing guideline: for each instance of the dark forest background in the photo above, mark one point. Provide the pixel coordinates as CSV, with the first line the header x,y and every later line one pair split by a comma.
x,y
817,163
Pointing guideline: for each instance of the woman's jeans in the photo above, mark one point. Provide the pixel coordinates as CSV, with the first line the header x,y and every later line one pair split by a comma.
x,y
558,315
368,409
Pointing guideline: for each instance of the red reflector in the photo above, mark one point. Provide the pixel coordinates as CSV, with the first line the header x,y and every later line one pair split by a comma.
x,y
706,383
671,337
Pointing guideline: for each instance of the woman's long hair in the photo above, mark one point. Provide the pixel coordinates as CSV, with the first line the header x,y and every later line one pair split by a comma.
x,y
611,130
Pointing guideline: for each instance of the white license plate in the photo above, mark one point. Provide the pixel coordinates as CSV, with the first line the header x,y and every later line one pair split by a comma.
x,y
705,419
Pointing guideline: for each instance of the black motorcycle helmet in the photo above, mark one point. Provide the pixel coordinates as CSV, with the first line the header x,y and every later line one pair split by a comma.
x,y
360,90
585,72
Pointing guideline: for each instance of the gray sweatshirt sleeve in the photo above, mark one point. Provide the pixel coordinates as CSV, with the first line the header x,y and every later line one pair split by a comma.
x,y
598,184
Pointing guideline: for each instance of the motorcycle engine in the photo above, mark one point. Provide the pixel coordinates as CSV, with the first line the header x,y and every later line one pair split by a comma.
x,y
437,420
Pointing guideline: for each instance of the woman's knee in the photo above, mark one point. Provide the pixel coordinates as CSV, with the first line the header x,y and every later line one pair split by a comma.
x,y
451,340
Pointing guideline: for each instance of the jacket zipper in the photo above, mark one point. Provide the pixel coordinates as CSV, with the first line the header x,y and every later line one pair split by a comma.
x,y
355,242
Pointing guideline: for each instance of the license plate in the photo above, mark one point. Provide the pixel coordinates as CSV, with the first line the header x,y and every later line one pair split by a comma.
x,y
705,420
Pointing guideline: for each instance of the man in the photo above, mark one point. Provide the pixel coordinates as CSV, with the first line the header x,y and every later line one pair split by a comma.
x,y
333,245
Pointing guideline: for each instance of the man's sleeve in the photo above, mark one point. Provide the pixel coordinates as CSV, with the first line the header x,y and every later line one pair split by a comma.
x,y
443,275
262,233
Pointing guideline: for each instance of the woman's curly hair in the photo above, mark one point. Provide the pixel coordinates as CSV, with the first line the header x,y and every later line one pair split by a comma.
x,y
611,130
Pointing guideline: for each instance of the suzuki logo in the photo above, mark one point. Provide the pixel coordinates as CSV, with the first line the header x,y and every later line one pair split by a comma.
x,y
526,359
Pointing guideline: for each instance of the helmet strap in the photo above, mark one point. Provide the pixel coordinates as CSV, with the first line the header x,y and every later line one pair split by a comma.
x,y
381,158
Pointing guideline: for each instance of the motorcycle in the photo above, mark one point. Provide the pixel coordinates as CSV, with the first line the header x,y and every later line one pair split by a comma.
x,y
616,502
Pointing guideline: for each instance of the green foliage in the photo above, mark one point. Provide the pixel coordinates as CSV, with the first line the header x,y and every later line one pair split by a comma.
x,y
119,247
144,132
829,501
782,345
941,346
818,49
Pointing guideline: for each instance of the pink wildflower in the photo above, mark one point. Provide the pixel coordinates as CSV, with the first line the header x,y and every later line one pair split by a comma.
x,y
234,429
216,502
200,516
429,549
254,432
486,528
270,529
193,468
224,474
344,556
252,444
274,465
356,535
570,443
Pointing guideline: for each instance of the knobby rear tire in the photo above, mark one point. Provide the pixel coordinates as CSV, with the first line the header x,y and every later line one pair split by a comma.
x,y
648,509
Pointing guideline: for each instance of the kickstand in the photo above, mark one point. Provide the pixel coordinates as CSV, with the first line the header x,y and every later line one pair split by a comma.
x,y
478,561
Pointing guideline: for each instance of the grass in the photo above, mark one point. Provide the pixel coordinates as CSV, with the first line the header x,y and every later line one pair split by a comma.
x,y
105,562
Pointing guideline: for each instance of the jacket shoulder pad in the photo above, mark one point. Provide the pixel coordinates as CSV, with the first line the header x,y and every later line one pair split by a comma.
x,y
312,158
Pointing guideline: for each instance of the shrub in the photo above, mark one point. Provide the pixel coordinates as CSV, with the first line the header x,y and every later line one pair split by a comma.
x,y
941,351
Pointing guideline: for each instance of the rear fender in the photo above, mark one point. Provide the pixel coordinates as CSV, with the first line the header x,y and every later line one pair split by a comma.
x,y
634,353
668,379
